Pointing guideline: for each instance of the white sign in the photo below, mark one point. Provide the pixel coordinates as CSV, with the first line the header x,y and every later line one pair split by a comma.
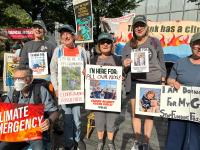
x,y
103,88
70,81
140,60
38,63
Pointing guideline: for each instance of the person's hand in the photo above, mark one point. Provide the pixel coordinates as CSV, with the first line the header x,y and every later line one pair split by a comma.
x,y
175,84
84,72
127,62
45,125
56,92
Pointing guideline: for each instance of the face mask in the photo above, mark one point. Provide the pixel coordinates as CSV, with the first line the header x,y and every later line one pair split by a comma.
x,y
19,85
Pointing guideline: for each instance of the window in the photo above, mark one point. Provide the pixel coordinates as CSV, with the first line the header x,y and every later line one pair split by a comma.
x,y
177,5
163,17
176,16
164,6
190,15
152,6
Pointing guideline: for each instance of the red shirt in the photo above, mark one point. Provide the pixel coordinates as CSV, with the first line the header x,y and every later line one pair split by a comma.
x,y
71,51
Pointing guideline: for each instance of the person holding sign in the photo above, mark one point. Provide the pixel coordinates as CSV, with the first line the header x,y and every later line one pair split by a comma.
x,y
71,112
24,92
37,46
141,42
106,57
185,135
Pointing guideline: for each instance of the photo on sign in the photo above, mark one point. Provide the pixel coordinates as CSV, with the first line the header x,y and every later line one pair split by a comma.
x,y
103,89
149,100
71,78
139,59
10,67
38,65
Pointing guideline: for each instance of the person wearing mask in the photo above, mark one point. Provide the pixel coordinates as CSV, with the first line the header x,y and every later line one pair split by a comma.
x,y
106,57
185,135
156,75
38,44
71,112
23,86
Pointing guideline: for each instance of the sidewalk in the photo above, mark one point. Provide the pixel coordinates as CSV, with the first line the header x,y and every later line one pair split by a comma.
x,y
124,132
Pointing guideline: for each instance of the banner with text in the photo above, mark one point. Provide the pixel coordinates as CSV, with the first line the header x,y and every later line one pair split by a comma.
x,y
174,36
84,20
8,71
19,122
167,102
70,81
103,88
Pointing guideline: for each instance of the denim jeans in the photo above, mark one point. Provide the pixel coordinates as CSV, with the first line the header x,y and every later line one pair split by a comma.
x,y
72,124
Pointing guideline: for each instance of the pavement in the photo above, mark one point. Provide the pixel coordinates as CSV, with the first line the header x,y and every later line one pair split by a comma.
x,y
124,133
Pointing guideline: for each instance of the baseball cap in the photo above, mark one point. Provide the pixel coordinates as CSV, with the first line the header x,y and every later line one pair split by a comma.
x,y
40,23
139,18
106,36
67,28
195,37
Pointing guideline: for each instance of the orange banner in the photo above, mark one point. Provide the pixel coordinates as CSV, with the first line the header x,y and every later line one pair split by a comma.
x,y
20,122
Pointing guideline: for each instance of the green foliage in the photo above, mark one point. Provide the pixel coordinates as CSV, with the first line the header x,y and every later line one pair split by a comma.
x,y
195,1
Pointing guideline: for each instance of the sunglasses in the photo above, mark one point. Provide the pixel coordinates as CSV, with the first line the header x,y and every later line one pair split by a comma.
x,y
105,41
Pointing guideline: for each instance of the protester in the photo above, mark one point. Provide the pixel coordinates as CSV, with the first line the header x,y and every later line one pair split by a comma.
x,y
38,44
105,48
71,113
185,135
23,84
156,74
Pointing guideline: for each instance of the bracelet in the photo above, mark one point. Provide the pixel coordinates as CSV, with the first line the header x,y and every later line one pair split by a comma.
x,y
162,81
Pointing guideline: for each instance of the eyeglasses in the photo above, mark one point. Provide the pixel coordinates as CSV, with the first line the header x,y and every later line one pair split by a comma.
x,y
105,41
196,48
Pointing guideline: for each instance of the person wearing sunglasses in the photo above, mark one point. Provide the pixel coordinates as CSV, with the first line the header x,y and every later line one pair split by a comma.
x,y
105,57
156,75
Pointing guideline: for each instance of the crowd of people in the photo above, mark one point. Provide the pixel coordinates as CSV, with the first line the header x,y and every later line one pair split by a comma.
x,y
182,135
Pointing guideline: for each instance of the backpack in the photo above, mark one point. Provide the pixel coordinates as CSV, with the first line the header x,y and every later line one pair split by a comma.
x,y
35,88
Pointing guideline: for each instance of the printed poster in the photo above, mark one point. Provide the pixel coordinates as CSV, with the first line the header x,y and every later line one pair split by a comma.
x,y
19,122
38,63
84,20
8,71
103,88
140,60
167,102
148,99
70,81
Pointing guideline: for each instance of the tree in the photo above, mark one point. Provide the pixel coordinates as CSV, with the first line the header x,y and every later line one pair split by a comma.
x,y
195,1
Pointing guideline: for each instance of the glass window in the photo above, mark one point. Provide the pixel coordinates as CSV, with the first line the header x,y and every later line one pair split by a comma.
x,y
141,8
163,17
177,5
152,17
164,6
152,6
176,16
190,5
190,15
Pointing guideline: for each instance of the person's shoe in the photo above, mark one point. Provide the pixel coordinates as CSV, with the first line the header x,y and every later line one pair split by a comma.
x,y
145,146
111,146
81,145
136,145
100,146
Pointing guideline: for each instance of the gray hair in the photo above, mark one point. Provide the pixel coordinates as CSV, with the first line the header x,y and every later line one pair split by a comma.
x,y
28,70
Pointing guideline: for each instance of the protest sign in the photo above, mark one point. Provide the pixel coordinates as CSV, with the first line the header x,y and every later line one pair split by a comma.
x,y
140,60
84,20
19,122
167,102
148,99
8,71
70,80
38,63
103,88
174,36
181,104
